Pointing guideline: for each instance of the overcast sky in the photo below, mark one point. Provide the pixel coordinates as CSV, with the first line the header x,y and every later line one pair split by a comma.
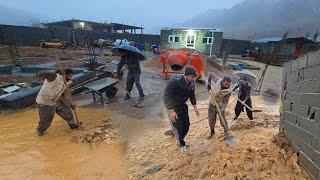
x,y
149,13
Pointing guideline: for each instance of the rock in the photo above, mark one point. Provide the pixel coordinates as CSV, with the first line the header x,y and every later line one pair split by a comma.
x,y
89,138
155,169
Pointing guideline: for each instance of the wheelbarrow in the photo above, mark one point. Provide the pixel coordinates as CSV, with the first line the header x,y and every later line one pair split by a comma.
x,y
102,86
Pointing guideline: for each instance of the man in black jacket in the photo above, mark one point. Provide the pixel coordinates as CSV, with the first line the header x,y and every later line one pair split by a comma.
x,y
132,62
244,96
176,94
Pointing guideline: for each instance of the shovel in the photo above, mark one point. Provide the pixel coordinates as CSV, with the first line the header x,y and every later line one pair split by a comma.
x,y
137,104
250,109
59,66
170,133
230,140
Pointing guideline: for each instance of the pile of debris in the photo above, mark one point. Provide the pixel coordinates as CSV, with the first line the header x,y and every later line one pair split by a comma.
x,y
105,132
263,121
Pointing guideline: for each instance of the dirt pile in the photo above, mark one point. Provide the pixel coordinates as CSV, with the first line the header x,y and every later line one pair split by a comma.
x,y
106,132
260,121
255,156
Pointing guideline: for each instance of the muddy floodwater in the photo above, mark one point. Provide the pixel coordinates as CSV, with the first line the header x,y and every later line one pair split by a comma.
x,y
24,154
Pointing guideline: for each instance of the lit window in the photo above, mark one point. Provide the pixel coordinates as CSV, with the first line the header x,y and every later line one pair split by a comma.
x,y
81,24
190,40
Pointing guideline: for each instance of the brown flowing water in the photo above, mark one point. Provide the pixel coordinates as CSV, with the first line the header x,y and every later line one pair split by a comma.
x,y
25,155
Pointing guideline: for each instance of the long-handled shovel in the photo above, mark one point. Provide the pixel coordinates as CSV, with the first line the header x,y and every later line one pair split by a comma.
x,y
250,109
230,139
59,66
170,132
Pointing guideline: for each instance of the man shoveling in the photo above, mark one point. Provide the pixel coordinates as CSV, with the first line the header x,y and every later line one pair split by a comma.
x,y
176,94
222,99
244,98
52,98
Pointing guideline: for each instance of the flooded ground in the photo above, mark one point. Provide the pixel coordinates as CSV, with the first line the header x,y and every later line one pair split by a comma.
x,y
53,156
144,152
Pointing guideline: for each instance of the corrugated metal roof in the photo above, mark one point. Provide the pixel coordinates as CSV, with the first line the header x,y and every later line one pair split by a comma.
x,y
276,39
192,28
267,40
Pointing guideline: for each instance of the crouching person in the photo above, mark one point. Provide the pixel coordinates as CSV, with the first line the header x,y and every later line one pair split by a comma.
x,y
52,99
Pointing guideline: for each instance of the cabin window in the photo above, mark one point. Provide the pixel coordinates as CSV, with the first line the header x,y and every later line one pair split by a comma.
x,y
207,40
172,39
191,38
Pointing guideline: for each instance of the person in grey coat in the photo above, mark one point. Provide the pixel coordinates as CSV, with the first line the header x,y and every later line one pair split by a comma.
x,y
132,62
222,99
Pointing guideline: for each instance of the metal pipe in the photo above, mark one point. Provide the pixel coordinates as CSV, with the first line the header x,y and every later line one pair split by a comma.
x,y
212,36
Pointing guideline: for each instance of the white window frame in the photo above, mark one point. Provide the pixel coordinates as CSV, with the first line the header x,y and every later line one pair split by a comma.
x,y
208,38
170,39
193,45
173,39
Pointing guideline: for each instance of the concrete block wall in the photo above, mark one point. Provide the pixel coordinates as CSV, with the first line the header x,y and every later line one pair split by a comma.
x,y
300,111
22,35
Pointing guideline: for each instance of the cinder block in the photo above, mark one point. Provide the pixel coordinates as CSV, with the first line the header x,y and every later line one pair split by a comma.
x,y
316,143
289,131
309,86
290,117
292,77
292,134
295,64
313,58
312,99
303,61
299,63
293,87
317,115
312,72
301,110
311,153
298,133
305,136
293,97
288,106
308,125
307,163
287,67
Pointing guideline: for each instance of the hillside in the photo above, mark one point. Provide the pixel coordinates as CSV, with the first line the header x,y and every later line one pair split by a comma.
x,y
262,18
